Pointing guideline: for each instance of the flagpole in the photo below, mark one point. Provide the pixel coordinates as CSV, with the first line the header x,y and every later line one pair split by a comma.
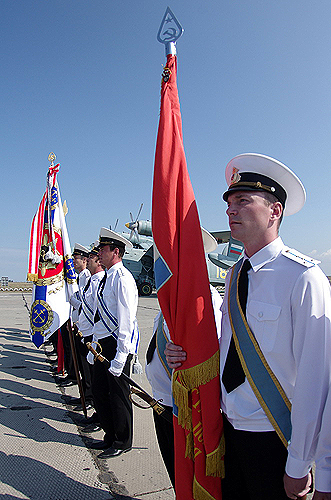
x,y
75,360
180,266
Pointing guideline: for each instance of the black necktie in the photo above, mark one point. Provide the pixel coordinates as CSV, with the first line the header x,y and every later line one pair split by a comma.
x,y
151,348
100,290
87,285
233,374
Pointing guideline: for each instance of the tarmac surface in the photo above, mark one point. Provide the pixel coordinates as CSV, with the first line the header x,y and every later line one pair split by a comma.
x,y
44,454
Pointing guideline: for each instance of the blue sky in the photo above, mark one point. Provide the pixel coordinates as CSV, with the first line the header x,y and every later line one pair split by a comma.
x,y
82,79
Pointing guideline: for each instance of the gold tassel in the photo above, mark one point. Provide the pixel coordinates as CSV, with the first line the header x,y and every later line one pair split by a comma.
x,y
186,380
189,451
214,462
201,374
32,277
199,492
180,394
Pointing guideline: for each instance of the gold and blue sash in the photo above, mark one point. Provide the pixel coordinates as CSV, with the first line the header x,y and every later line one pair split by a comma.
x,y
263,381
161,340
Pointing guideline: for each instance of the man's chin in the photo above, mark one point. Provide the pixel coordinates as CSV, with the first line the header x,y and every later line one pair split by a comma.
x,y
235,231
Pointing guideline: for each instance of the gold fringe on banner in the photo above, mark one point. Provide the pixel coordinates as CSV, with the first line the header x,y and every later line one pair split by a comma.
x,y
214,462
200,374
184,381
189,450
189,379
199,492
180,394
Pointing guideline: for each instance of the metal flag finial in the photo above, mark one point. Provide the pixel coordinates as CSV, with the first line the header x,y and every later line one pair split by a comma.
x,y
51,158
169,32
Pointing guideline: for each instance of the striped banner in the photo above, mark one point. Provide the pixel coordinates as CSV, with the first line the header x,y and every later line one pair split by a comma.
x,y
50,264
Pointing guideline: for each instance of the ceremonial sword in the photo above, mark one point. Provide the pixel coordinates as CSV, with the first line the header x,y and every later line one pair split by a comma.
x,y
134,387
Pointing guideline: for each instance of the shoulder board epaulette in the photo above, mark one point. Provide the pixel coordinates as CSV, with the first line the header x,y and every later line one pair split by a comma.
x,y
121,271
300,258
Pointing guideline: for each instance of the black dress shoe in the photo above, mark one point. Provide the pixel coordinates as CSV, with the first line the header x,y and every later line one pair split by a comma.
x,y
74,401
112,452
80,407
91,428
67,383
99,445
93,419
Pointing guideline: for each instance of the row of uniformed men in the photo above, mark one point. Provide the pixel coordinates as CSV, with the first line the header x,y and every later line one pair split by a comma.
x,y
104,310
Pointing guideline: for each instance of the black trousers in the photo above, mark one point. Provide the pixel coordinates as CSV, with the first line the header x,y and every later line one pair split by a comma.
x,y
165,437
111,399
254,465
84,366
68,361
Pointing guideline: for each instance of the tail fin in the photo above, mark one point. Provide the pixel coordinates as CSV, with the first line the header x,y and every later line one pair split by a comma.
x,y
235,249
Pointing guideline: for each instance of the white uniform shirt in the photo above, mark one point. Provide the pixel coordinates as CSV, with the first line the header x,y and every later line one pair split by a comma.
x,y
289,312
155,371
120,295
90,295
76,298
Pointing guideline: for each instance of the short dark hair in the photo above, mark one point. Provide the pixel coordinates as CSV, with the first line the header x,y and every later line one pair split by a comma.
x,y
270,199
121,250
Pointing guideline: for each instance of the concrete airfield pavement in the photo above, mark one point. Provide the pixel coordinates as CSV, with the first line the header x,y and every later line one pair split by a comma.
x,y
44,454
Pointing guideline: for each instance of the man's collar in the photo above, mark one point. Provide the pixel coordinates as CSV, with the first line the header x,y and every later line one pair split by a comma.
x,y
114,267
98,273
266,254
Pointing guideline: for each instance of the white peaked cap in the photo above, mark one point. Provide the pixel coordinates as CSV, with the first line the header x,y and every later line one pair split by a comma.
x,y
80,250
243,171
109,237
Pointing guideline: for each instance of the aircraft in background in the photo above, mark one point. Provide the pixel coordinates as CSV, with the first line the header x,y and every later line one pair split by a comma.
x,y
231,252
140,260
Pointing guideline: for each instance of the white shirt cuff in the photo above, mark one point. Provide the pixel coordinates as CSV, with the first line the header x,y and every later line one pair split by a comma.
x,y
323,480
121,357
297,468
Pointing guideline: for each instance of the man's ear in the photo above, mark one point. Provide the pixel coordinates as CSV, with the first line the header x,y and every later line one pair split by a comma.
x,y
277,210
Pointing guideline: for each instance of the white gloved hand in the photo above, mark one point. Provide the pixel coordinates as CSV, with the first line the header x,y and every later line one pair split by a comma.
x,y
115,368
90,358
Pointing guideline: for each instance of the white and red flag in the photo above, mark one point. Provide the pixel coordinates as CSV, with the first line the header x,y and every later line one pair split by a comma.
x,y
50,264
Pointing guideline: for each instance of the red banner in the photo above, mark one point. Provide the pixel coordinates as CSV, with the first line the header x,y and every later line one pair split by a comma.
x,y
184,295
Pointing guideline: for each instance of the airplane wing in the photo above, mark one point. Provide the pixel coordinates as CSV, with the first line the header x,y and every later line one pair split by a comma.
x,y
221,236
